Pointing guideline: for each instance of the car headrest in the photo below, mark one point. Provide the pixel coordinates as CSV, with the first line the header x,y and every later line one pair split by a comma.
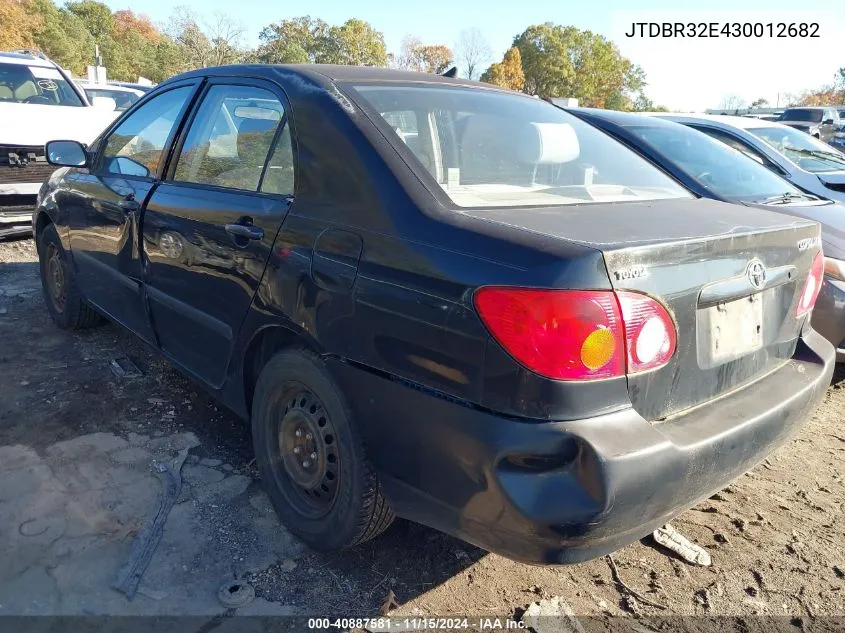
x,y
543,143
531,143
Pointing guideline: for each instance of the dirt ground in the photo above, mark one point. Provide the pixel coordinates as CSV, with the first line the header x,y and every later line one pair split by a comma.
x,y
77,444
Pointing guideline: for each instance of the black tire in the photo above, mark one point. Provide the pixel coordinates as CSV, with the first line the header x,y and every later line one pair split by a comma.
x,y
295,389
65,303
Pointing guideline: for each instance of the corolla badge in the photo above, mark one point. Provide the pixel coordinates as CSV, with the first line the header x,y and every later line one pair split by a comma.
x,y
756,273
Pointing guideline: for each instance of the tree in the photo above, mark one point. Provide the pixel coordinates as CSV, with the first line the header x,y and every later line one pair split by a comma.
x,y
212,43
62,35
507,73
563,61
473,52
355,43
732,102
759,103
423,58
17,25
297,40
96,16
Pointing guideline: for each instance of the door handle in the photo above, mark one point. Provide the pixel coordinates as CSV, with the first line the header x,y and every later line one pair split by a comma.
x,y
248,231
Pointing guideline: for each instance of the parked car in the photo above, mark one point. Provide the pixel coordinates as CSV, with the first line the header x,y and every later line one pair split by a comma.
x,y
806,162
38,101
122,96
442,300
713,169
822,123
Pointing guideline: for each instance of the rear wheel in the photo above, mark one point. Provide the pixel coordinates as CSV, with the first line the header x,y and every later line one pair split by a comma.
x,y
65,303
311,458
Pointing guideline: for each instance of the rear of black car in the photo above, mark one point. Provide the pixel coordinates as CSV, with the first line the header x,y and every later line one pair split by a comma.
x,y
666,351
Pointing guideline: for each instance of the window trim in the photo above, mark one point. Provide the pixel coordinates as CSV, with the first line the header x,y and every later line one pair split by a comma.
x,y
169,172
101,141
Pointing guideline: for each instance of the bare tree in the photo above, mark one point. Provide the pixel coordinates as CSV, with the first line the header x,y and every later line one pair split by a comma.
x,y
225,35
732,102
206,43
474,53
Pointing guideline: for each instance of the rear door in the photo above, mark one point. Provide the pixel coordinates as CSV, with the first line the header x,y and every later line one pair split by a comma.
x,y
209,228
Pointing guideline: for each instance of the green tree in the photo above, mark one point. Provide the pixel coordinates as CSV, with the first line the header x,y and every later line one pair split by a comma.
x,y
507,73
17,25
285,42
355,43
96,16
563,61
62,36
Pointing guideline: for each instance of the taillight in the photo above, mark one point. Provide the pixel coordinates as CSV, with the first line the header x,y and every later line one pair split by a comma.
x,y
561,334
578,334
812,286
650,335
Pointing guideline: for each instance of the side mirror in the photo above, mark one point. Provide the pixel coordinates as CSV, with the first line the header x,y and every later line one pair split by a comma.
x,y
67,154
828,122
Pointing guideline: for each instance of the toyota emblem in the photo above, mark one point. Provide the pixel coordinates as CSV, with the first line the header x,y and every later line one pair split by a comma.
x,y
756,273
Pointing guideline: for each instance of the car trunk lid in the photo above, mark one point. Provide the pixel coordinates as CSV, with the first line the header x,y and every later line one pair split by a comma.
x,y
700,259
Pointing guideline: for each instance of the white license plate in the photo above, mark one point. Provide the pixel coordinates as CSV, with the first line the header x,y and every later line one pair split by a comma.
x,y
736,327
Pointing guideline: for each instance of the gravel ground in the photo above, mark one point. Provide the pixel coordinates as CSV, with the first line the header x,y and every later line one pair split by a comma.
x,y
776,535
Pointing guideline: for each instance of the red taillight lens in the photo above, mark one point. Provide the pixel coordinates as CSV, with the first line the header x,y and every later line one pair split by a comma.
x,y
561,334
812,286
650,335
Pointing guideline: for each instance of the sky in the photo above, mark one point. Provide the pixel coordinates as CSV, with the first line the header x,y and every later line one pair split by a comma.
x,y
683,74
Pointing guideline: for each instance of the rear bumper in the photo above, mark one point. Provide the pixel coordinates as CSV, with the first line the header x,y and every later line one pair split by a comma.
x,y
829,315
565,492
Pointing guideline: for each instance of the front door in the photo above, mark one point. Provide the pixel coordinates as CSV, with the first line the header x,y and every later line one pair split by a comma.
x,y
209,227
104,202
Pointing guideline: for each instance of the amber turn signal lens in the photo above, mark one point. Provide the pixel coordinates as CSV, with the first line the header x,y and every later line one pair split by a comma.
x,y
598,348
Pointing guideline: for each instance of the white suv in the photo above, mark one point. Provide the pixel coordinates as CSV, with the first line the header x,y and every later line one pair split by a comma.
x,y
38,102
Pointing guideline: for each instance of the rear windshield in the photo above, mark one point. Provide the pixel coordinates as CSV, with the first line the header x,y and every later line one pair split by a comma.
x,y
20,83
718,167
802,149
122,98
488,148
802,114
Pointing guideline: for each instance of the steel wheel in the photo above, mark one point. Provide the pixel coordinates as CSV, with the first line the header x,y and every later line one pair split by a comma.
x,y
308,454
56,278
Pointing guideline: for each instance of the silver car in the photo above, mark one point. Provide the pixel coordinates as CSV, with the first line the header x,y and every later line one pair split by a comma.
x,y
812,166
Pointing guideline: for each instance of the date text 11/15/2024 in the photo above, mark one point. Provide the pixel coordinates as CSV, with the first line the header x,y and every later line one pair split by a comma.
x,y
726,29
418,623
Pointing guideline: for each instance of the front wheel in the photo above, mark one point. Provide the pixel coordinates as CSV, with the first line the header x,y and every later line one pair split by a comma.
x,y
65,303
311,458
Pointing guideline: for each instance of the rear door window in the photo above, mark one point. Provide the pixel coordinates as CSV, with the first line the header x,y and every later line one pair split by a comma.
x,y
230,139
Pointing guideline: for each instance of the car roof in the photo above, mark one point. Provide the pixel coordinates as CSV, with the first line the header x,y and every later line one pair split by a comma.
x,y
25,58
323,73
622,119
722,119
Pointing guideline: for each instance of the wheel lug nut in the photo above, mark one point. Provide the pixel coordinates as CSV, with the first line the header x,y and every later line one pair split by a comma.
x,y
307,436
306,464
298,432
313,455
296,450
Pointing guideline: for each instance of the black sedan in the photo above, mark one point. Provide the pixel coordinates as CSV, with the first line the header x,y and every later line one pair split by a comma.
x,y
439,299
713,169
